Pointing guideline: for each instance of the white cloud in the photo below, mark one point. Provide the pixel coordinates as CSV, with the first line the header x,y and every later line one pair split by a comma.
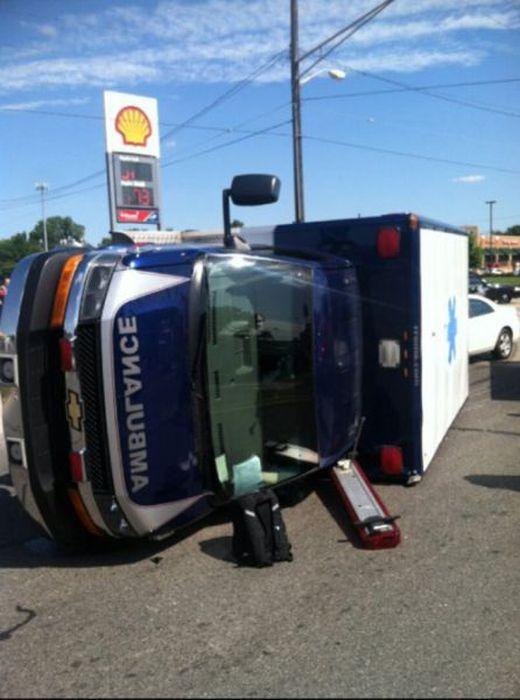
x,y
224,40
469,179
47,30
36,104
100,71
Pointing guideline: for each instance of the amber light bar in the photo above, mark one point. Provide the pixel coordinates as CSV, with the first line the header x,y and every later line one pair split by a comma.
x,y
63,289
83,514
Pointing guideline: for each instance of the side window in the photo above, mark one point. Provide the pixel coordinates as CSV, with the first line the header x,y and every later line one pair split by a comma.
x,y
479,308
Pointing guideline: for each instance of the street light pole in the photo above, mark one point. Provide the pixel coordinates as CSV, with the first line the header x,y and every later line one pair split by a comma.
x,y
296,116
42,187
490,203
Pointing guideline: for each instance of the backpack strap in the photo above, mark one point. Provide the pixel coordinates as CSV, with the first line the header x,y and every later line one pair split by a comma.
x,y
281,545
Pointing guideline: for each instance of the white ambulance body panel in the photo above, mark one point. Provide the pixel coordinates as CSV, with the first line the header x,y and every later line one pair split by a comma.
x,y
444,334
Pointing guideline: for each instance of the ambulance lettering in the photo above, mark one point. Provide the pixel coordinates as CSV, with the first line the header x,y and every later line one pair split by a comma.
x,y
130,361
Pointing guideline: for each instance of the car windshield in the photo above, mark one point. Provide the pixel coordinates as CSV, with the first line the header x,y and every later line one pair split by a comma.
x,y
259,362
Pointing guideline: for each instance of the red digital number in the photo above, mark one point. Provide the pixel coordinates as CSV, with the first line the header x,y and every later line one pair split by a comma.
x,y
143,196
127,175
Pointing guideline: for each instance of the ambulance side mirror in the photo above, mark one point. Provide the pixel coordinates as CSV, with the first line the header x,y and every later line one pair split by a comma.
x,y
253,190
248,190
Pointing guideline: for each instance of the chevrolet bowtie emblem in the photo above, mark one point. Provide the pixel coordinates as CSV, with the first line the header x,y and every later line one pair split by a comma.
x,y
74,410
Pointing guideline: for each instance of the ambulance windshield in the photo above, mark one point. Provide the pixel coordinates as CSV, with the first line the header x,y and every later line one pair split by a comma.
x,y
259,357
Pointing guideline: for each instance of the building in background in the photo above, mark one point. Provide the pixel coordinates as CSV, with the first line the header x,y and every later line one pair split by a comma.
x,y
500,252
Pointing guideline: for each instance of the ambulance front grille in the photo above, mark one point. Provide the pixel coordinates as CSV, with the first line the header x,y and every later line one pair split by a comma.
x,y
88,361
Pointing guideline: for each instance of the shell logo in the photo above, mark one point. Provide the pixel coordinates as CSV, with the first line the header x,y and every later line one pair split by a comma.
x,y
133,125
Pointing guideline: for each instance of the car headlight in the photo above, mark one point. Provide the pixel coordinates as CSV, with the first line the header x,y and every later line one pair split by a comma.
x,y
96,287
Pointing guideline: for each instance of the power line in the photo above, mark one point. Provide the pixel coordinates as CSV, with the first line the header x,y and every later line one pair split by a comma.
x,y
51,198
415,88
228,94
226,130
423,91
248,135
57,189
237,128
406,154
97,117
346,33
29,199
297,80
177,127
271,128
363,93
499,22
355,25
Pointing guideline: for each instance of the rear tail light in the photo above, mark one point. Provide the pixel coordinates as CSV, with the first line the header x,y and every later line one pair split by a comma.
x,y
66,355
63,289
391,460
388,242
77,467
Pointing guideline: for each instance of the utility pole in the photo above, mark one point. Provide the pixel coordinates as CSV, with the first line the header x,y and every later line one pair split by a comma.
x,y
322,50
296,117
490,203
42,187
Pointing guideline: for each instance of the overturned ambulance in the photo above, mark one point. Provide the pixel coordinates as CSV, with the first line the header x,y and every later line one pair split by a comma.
x,y
144,386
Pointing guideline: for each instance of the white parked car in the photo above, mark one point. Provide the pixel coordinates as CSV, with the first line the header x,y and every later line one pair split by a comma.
x,y
492,327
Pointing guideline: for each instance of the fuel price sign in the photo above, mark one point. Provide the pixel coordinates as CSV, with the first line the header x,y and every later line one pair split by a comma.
x,y
132,153
136,188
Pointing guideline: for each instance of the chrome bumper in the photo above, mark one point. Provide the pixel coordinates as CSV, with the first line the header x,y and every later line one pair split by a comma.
x,y
13,433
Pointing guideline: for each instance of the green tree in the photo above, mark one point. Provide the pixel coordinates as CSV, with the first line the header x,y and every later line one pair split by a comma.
x,y
14,249
59,228
236,223
513,230
475,252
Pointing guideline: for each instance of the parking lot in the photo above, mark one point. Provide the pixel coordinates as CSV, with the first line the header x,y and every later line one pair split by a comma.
x,y
436,617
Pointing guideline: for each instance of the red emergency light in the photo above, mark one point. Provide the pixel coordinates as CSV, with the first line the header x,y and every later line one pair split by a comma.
x,y
391,460
66,355
77,467
388,242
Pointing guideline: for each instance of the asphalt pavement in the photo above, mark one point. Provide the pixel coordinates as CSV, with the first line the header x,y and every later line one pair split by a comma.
x,y
436,617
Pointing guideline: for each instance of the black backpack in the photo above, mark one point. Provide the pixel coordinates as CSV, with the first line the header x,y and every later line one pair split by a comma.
x,y
259,534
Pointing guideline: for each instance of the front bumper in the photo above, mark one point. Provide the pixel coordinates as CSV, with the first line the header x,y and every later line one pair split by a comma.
x,y
33,406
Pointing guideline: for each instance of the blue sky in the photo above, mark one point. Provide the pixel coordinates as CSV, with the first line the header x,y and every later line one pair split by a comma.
x,y
57,57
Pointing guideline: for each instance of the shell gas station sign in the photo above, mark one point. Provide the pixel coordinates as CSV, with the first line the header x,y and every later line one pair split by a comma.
x,y
132,151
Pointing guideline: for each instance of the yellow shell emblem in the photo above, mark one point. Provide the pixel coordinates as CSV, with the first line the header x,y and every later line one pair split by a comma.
x,y
133,125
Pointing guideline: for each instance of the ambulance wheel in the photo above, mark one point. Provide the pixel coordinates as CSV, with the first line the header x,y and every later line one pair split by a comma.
x,y
504,346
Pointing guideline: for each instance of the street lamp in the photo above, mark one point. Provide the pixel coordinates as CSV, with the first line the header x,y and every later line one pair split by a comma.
x,y
334,73
297,82
491,202
42,187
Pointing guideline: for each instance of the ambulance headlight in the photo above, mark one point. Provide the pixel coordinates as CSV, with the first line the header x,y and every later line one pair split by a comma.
x,y
96,287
